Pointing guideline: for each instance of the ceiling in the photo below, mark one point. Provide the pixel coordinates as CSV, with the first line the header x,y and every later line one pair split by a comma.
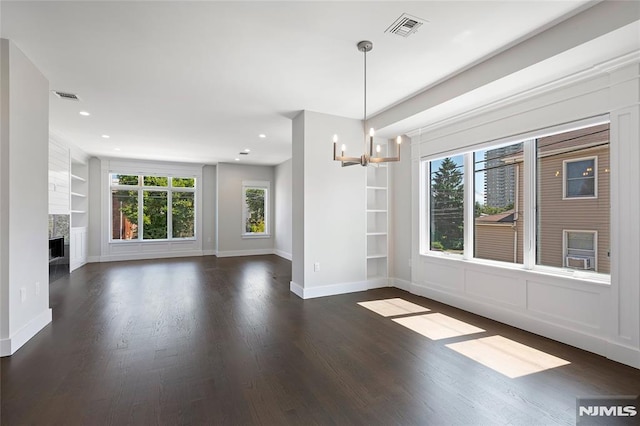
x,y
199,81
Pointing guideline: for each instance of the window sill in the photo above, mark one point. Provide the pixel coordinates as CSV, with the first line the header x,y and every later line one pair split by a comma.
x,y
166,240
571,274
255,236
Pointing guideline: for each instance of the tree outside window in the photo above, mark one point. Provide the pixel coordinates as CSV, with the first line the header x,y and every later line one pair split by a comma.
x,y
255,207
447,202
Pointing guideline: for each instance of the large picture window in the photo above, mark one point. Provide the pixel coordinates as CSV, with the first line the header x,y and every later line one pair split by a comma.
x,y
146,207
539,201
255,208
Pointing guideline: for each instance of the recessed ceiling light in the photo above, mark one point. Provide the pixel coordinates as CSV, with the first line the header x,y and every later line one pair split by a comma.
x,y
237,159
106,136
84,113
116,149
262,135
247,150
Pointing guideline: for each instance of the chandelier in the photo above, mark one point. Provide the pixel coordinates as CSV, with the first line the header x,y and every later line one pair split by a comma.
x,y
368,157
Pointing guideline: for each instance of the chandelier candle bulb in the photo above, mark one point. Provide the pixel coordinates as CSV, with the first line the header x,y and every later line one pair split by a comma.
x,y
399,140
378,149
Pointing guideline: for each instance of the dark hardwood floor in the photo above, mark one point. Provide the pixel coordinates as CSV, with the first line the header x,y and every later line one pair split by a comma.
x,y
223,341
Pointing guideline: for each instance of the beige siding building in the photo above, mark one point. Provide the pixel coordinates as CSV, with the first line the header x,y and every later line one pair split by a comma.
x,y
573,206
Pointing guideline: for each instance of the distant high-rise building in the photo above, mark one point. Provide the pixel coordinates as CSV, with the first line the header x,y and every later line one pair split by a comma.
x,y
500,178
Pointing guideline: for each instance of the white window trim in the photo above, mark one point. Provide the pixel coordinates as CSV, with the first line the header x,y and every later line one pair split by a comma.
x,y
257,184
595,178
140,188
530,203
565,246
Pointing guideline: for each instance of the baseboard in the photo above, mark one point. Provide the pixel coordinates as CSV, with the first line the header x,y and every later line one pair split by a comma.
x,y
208,252
588,342
335,289
146,256
283,254
401,284
93,259
10,345
252,252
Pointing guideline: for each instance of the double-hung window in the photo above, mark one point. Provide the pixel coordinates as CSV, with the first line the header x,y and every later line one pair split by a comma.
x,y
148,207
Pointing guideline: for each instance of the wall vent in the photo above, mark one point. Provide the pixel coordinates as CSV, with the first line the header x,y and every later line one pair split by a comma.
x,y
405,25
65,95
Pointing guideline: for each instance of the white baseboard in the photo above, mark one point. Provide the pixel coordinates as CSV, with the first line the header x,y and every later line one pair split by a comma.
x,y
401,284
334,289
10,345
580,339
283,254
93,259
146,256
209,252
252,252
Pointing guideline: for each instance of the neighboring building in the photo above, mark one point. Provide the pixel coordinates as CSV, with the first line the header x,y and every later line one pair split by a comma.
x,y
500,182
573,205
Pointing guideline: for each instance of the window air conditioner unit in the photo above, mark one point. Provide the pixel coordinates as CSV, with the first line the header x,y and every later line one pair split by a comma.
x,y
585,263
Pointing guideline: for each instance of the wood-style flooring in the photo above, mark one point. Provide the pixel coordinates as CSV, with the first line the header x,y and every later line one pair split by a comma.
x,y
223,341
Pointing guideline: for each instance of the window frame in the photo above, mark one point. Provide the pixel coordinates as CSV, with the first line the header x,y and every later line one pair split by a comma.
x,y
266,186
529,197
140,188
565,177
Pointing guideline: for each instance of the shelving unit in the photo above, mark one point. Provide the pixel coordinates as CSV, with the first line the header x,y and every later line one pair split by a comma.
x,y
79,214
377,222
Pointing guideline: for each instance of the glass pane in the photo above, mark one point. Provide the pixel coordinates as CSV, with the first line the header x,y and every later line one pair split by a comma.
x,y
580,240
124,215
446,201
579,169
254,210
498,203
183,214
155,181
562,154
581,187
124,179
154,215
183,182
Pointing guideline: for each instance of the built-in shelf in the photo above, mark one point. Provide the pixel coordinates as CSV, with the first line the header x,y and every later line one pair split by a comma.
x,y
377,222
77,194
78,178
78,211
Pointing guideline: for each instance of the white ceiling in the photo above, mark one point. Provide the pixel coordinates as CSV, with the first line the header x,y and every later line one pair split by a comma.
x,y
198,81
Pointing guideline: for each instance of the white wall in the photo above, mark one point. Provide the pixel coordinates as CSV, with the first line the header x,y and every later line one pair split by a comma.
x,y
24,274
600,317
328,208
230,241
283,209
95,210
208,208
400,215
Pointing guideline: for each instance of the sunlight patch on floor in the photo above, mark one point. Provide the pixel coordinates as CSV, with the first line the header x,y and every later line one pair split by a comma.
x,y
438,326
392,307
507,357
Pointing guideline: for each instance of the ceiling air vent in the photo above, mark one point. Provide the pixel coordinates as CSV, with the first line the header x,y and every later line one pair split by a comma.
x,y
405,25
64,95
244,153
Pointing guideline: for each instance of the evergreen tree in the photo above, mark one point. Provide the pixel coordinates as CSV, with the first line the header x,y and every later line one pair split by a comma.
x,y
447,214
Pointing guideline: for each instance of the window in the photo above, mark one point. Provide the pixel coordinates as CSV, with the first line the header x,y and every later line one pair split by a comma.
x,y
580,249
580,178
542,202
147,207
446,205
572,167
498,226
255,208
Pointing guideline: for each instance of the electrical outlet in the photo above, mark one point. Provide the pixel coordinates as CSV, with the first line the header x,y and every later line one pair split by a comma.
x,y
316,267
23,294
37,288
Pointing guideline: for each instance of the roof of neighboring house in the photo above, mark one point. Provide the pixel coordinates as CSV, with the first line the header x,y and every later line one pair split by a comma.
x,y
507,217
